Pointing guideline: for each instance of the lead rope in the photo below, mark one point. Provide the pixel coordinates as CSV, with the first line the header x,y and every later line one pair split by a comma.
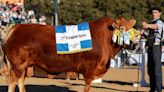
x,y
138,80
162,40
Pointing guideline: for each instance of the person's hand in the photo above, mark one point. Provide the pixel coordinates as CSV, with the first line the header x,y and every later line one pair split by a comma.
x,y
144,25
142,31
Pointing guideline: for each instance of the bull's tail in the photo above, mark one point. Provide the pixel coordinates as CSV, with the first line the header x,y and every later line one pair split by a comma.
x,y
4,63
5,66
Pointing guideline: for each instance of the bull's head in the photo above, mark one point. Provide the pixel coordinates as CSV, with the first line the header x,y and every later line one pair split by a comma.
x,y
124,32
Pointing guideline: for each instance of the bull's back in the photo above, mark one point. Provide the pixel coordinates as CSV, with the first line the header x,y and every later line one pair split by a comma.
x,y
29,35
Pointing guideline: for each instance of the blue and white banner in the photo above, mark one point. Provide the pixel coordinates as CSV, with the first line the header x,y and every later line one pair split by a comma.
x,y
73,38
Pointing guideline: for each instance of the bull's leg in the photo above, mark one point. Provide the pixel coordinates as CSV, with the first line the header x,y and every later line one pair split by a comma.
x,y
21,85
17,75
77,76
88,84
13,81
68,76
4,73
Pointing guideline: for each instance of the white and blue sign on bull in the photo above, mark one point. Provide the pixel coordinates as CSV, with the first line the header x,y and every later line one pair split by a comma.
x,y
73,38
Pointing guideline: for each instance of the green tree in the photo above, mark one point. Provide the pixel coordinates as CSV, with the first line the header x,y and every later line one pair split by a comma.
x,y
77,11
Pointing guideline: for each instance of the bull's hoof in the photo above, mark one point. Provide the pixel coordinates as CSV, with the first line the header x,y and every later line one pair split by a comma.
x,y
68,79
70,75
97,80
51,76
4,81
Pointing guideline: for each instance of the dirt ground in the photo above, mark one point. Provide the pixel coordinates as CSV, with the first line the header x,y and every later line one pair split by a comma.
x,y
115,80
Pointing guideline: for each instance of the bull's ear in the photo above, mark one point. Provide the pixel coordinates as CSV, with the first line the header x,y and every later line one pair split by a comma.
x,y
115,25
131,23
120,20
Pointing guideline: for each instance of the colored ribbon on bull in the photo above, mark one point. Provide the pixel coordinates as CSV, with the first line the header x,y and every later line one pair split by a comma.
x,y
115,35
124,37
134,35
73,38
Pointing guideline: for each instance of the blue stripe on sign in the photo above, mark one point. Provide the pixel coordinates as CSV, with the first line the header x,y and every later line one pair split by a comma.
x,y
83,26
60,29
86,44
62,47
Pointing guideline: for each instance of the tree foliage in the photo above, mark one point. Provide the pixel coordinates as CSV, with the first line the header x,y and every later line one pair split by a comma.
x,y
77,11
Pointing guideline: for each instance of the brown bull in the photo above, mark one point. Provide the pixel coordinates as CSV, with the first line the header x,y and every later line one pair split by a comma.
x,y
32,44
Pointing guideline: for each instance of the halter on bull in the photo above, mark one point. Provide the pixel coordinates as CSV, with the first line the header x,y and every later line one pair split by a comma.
x,y
34,45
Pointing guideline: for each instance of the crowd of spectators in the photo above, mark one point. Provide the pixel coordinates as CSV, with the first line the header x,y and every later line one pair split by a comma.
x,y
15,14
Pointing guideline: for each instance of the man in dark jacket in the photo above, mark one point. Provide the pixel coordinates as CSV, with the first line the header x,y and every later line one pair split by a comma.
x,y
154,32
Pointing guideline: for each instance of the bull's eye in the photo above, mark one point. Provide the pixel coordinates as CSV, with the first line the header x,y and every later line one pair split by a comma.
x,y
122,28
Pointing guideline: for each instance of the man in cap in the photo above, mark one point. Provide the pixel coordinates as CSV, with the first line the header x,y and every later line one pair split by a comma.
x,y
154,30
